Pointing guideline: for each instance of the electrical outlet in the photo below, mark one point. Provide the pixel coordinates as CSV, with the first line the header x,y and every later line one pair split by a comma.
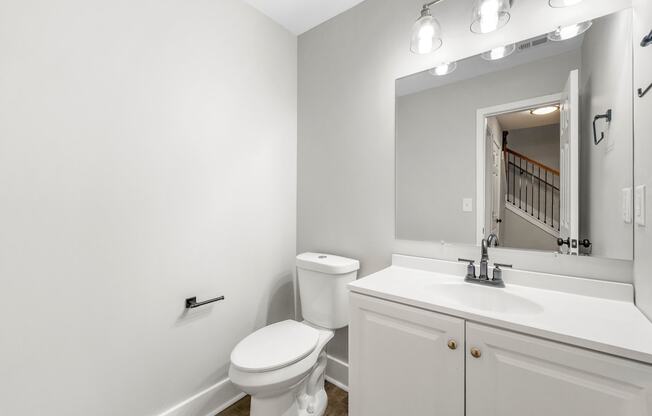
x,y
627,205
467,205
639,205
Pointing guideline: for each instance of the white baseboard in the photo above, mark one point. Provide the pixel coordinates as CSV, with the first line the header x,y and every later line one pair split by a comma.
x,y
337,372
208,402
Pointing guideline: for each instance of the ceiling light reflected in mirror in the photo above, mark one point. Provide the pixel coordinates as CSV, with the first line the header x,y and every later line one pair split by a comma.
x,y
444,68
569,32
499,52
542,111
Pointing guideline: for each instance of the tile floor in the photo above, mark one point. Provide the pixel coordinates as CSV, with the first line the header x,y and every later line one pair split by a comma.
x,y
338,404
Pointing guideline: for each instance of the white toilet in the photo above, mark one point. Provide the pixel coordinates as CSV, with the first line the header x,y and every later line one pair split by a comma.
x,y
282,365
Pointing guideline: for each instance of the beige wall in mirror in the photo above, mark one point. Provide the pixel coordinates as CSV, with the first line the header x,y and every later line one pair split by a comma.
x,y
537,189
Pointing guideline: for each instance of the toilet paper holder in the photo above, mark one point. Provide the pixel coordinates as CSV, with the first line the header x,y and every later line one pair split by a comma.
x,y
192,303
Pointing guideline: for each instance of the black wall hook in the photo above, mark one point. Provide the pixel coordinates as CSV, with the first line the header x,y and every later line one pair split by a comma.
x,y
641,92
647,40
607,117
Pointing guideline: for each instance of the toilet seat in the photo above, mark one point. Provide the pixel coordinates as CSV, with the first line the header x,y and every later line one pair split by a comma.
x,y
275,346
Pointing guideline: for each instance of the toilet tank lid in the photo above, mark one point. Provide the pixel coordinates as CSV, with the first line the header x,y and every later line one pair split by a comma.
x,y
327,263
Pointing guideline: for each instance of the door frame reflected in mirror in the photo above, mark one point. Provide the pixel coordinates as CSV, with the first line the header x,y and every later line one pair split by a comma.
x,y
482,114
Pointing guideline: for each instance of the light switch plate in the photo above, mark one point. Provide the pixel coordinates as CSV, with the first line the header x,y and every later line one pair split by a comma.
x,y
467,205
639,205
627,205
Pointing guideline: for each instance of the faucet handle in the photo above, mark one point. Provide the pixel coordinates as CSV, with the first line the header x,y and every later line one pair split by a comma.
x,y
470,269
498,273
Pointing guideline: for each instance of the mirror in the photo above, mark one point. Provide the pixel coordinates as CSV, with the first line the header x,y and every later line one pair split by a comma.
x,y
532,151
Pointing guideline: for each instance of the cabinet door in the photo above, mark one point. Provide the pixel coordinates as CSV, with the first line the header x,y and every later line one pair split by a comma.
x,y
401,363
517,375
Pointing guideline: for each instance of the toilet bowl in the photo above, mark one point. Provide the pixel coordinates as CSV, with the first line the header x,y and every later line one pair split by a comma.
x,y
282,365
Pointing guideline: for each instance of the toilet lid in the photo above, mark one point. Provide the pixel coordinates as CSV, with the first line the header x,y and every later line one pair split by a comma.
x,y
275,346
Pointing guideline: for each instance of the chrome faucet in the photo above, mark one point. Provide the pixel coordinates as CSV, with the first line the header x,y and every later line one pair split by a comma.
x,y
483,261
497,278
492,240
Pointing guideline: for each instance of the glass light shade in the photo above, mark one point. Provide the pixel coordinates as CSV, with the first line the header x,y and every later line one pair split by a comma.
x,y
499,52
426,34
444,68
490,15
542,111
569,32
563,3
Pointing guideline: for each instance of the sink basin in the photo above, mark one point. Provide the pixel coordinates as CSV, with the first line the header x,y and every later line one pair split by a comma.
x,y
483,298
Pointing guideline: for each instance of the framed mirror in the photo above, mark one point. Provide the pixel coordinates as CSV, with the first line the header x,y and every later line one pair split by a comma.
x,y
529,145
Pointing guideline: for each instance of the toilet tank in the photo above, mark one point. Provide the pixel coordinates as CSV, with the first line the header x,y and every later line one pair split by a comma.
x,y
322,282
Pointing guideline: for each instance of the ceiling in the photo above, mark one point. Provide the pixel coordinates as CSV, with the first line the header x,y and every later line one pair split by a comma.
x,y
526,120
299,16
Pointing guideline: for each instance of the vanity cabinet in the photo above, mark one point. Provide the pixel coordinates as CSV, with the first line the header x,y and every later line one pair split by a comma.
x,y
404,360
401,364
518,375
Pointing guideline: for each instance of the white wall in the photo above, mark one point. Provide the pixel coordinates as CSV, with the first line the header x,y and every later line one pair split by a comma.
x,y
347,69
436,136
605,169
643,154
147,154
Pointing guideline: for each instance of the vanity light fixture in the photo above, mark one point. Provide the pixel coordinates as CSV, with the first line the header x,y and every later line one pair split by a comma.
x,y
490,15
542,111
569,32
444,68
563,3
426,32
499,52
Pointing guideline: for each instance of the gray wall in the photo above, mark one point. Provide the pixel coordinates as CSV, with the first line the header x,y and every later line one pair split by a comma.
x,y
539,143
517,232
147,154
643,155
436,141
606,82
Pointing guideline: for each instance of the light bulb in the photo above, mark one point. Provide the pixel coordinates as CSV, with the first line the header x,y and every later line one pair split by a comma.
x,y
426,31
497,53
425,45
489,16
569,32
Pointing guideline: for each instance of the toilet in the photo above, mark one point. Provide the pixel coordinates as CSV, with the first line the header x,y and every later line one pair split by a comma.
x,y
282,365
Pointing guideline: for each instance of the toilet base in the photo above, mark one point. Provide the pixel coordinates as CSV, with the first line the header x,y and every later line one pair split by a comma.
x,y
288,404
306,398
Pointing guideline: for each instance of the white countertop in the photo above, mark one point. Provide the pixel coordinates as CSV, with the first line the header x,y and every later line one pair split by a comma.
x,y
607,324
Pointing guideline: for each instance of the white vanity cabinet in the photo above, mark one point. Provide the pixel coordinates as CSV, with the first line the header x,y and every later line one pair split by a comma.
x,y
518,375
401,364
404,360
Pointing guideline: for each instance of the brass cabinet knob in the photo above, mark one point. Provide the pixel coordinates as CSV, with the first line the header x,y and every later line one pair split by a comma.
x,y
475,352
452,344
